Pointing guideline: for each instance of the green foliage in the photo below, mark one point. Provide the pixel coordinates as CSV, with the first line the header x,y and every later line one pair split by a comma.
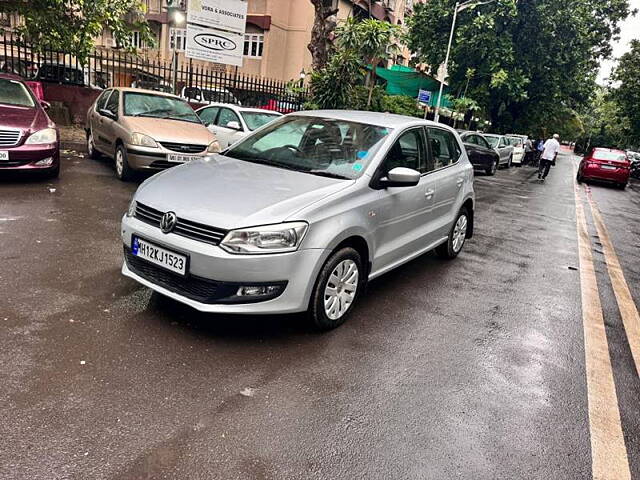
x,y
358,44
531,61
72,25
627,95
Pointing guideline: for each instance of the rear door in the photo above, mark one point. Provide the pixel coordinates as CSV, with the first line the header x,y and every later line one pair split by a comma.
x,y
109,124
97,121
448,174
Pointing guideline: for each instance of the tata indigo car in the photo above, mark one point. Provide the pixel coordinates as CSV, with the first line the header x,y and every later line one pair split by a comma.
x,y
299,215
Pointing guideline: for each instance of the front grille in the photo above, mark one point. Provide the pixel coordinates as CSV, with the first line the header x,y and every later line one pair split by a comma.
x,y
199,289
9,137
184,228
183,147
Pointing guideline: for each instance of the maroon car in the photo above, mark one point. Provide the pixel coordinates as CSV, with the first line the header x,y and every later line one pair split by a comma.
x,y
29,140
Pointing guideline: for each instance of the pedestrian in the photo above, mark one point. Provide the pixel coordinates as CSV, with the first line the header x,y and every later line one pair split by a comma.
x,y
528,151
549,153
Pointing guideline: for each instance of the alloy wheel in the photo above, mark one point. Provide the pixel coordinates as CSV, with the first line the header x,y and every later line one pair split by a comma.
x,y
119,162
90,146
459,233
340,290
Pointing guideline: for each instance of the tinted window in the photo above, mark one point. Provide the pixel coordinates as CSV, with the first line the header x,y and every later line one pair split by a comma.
x,y
15,93
482,142
102,100
192,93
472,139
408,151
112,103
208,115
444,147
227,115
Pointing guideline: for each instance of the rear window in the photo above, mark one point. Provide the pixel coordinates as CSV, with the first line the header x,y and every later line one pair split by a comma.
x,y
609,156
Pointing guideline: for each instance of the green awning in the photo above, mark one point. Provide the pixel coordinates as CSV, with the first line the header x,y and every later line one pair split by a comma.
x,y
407,81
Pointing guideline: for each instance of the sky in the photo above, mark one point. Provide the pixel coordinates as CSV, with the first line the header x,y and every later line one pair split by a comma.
x,y
630,30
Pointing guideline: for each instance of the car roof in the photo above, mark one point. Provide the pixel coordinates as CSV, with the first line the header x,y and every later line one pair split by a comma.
x,y
143,90
239,108
380,119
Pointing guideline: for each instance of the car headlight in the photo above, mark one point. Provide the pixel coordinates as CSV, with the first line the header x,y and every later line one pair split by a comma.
x,y
41,137
214,147
280,238
142,140
131,211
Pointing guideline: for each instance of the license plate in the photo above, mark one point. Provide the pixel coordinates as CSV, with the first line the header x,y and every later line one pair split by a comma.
x,y
177,158
4,156
608,167
159,256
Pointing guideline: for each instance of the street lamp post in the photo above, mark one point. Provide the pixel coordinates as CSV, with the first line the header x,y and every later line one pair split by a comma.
x,y
458,8
177,18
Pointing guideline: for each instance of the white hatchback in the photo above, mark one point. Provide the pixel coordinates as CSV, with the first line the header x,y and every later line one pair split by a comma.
x,y
231,123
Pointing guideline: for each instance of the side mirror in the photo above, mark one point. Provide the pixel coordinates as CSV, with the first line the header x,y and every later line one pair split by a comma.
x,y
108,113
234,125
45,105
401,177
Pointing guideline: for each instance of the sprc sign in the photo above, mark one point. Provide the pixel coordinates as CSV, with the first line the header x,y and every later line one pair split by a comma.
x,y
214,45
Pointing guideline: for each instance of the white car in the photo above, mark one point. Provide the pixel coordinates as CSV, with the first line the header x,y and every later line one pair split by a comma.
x,y
518,149
208,95
231,123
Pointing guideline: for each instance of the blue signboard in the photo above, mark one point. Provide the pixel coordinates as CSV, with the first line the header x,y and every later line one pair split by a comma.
x,y
424,96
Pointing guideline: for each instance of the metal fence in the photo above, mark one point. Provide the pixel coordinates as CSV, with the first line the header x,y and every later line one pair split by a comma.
x,y
107,67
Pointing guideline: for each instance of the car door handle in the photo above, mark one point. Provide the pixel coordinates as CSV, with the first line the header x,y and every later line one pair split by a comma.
x,y
429,193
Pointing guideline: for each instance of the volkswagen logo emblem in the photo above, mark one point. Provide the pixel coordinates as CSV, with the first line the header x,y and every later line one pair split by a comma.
x,y
168,222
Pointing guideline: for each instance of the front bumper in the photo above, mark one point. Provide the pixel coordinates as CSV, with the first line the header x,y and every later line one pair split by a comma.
x,y
295,271
25,157
142,158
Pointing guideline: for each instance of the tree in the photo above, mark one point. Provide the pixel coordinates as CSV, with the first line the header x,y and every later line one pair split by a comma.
x,y
627,95
532,60
324,23
72,25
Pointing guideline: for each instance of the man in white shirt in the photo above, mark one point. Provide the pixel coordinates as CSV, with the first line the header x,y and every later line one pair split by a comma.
x,y
548,157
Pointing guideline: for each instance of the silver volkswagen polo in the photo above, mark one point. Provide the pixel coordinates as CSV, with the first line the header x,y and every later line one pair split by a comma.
x,y
299,215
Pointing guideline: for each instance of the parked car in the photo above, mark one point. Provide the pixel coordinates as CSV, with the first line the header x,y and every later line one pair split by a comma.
x,y
62,73
281,106
518,150
146,130
231,123
29,140
480,153
502,147
208,95
23,68
300,214
605,164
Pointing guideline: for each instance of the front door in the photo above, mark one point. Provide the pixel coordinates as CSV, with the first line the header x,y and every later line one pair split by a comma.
x,y
227,135
404,214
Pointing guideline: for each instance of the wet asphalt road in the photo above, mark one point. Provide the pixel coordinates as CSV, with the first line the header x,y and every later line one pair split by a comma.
x,y
469,369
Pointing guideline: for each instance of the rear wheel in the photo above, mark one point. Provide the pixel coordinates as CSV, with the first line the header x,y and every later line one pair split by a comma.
x,y
91,147
622,186
123,170
457,236
337,288
509,162
579,178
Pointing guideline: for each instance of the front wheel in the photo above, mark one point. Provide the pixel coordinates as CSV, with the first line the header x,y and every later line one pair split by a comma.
x,y
492,169
457,236
123,170
337,288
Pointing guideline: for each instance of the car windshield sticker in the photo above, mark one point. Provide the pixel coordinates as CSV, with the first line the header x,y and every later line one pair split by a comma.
x,y
357,167
362,153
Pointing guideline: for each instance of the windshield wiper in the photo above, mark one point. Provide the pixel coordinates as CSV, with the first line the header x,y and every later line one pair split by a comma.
x,y
324,173
150,113
263,161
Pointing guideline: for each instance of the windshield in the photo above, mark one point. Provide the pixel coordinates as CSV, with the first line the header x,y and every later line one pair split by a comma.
x,y
158,106
255,120
493,141
320,146
15,93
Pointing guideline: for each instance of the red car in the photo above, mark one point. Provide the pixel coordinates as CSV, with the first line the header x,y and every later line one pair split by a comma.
x,y
605,164
29,140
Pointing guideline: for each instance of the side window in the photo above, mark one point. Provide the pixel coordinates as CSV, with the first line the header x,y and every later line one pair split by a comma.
x,y
473,139
502,143
112,103
444,147
208,115
483,143
408,151
226,116
103,100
